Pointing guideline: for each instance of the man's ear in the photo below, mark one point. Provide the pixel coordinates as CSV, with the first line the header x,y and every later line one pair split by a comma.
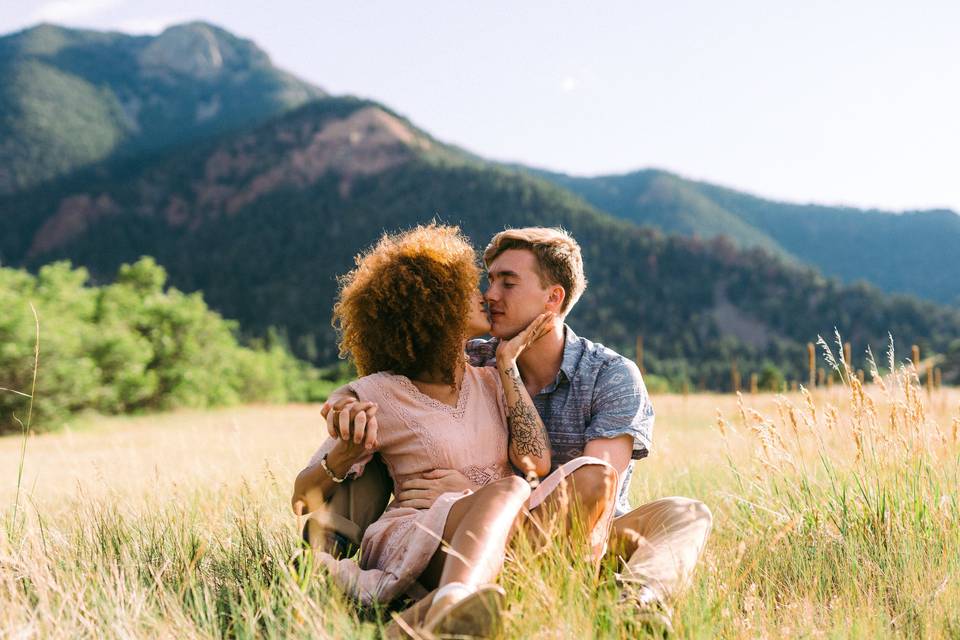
x,y
556,298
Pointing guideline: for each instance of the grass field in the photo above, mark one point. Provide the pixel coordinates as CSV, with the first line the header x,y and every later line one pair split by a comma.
x,y
836,515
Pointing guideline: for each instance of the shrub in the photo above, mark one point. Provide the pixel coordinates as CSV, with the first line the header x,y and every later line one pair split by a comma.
x,y
130,346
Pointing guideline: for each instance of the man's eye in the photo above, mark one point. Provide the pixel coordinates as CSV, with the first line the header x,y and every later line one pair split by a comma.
x,y
507,285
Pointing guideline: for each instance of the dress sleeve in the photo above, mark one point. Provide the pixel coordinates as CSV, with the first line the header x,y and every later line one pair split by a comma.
x,y
501,396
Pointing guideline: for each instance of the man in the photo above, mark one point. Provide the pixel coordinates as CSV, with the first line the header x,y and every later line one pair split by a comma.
x,y
593,402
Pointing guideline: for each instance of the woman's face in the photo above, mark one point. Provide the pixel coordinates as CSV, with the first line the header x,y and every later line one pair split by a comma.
x,y
478,323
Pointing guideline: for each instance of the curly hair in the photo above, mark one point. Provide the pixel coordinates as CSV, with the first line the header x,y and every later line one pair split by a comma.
x,y
405,306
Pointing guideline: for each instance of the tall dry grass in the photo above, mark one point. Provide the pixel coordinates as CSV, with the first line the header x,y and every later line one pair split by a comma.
x,y
847,514
835,513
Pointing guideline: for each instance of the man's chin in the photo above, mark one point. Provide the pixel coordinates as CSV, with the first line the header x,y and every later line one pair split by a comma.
x,y
502,332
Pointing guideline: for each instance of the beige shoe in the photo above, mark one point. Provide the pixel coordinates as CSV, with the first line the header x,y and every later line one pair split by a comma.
x,y
475,616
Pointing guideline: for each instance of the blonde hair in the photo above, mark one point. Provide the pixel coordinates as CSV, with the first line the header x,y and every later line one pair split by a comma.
x,y
557,253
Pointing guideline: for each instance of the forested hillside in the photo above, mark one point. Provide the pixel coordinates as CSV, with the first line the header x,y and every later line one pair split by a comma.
x,y
911,252
262,222
70,98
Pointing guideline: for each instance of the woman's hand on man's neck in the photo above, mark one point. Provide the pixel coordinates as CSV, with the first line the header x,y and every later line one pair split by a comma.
x,y
540,363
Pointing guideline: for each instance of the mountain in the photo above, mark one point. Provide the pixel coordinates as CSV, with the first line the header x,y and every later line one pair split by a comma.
x,y
263,220
263,217
912,252
71,98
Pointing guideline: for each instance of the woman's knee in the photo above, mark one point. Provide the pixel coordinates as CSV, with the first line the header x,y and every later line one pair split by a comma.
x,y
509,488
701,513
693,509
513,486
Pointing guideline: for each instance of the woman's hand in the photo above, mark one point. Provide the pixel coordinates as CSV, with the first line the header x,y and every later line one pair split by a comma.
x,y
529,444
509,350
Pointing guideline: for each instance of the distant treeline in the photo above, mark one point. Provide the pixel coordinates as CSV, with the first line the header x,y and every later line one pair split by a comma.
x,y
137,345
130,346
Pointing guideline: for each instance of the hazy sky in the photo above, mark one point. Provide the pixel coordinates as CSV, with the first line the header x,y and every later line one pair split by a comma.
x,y
835,102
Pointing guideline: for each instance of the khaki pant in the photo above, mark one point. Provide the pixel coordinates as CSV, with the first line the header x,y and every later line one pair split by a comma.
x,y
355,505
669,535
666,536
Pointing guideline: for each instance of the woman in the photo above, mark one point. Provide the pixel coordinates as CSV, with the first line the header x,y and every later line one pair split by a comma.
x,y
404,314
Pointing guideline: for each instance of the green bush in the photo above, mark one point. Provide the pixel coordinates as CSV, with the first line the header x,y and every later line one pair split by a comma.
x,y
656,384
771,378
130,346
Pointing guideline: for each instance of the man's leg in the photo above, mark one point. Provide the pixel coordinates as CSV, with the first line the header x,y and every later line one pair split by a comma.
x,y
661,543
578,496
338,527
590,488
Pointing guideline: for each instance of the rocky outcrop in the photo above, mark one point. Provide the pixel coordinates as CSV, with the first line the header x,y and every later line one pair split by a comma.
x,y
198,50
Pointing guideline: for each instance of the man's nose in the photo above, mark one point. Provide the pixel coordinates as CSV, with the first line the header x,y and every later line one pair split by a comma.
x,y
490,294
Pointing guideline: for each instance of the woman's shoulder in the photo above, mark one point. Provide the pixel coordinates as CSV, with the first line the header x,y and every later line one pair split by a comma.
x,y
381,384
481,372
485,377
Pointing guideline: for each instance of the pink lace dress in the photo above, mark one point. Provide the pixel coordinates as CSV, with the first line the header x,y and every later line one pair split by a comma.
x,y
419,434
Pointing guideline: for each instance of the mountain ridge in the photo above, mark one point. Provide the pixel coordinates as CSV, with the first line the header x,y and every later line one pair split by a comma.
x,y
271,258
262,218
72,98
912,251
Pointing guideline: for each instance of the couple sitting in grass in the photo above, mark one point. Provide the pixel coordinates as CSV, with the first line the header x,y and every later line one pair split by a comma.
x,y
459,430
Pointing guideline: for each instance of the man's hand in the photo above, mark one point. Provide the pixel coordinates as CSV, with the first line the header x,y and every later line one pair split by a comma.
x,y
352,422
422,492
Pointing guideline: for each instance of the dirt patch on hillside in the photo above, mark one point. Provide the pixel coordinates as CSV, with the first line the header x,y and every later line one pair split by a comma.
x,y
367,142
294,154
732,321
73,217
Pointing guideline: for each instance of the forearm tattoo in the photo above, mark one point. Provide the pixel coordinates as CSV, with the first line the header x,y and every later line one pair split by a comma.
x,y
528,436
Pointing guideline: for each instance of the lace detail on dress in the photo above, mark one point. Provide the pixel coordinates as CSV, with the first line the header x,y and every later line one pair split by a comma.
x,y
483,475
496,404
456,411
408,421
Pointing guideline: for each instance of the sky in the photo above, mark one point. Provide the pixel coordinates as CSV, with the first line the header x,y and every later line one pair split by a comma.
x,y
842,102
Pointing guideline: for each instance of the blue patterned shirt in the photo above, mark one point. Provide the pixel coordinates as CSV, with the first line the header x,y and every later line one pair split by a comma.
x,y
597,394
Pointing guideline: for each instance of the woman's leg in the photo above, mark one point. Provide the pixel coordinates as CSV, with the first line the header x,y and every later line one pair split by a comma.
x,y
476,534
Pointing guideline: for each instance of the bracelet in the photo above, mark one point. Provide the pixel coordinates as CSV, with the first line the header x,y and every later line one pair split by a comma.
x,y
333,476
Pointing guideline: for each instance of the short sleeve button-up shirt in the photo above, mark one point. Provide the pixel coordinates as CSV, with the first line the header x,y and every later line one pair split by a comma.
x,y
597,394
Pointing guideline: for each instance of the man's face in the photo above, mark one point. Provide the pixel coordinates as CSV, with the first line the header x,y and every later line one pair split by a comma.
x,y
515,295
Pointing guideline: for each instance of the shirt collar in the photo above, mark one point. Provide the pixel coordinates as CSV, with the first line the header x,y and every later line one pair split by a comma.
x,y
572,352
